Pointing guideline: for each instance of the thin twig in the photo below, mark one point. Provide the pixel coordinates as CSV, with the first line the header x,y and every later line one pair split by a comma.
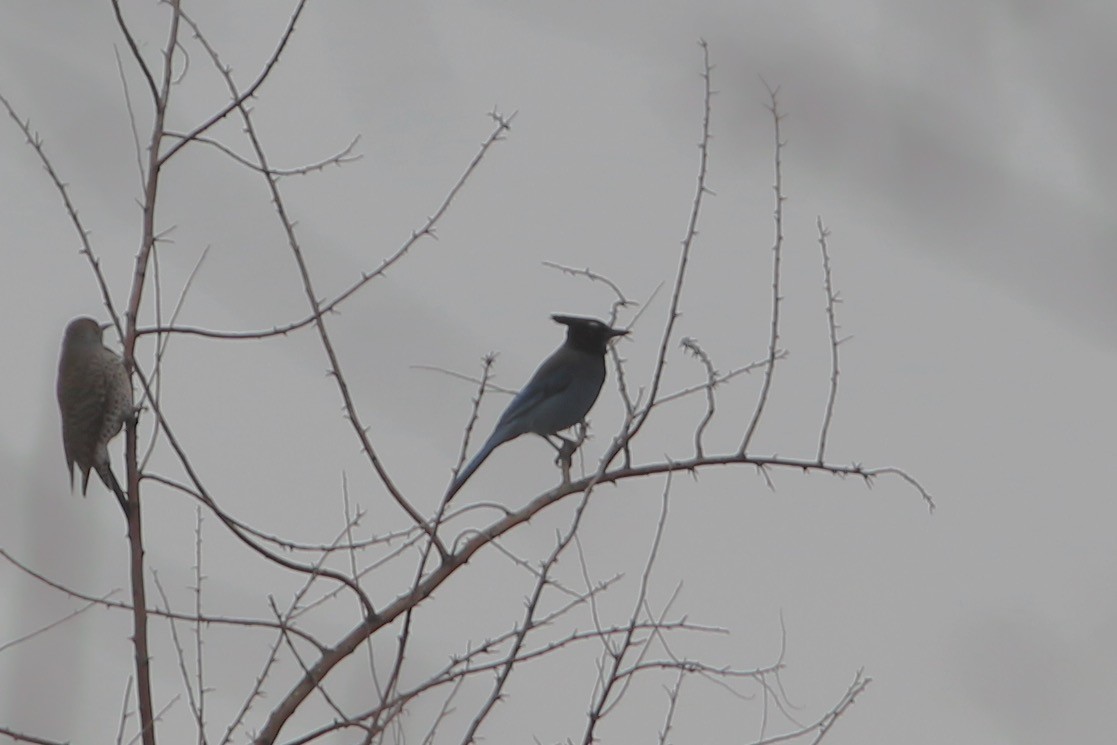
x,y
672,700
527,623
342,157
503,125
688,240
60,186
135,49
614,658
831,300
238,100
162,342
116,605
199,641
620,302
124,715
777,252
24,737
131,115
55,624
180,654
691,345
684,392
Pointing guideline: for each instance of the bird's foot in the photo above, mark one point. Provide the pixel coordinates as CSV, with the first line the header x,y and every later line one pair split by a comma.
x,y
565,457
564,453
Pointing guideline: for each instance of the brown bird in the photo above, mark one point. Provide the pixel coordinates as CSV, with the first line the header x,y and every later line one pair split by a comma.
x,y
95,398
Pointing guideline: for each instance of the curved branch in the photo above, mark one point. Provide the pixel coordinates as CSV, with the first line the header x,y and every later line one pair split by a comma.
x,y
777,254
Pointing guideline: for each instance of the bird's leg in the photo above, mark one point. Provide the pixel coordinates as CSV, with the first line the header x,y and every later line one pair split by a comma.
x,y
565,457
565,452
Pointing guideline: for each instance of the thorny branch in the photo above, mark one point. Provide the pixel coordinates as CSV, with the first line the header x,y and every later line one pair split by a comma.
x,y
777,253
832,299
626,647
427,230
691,345
688,240
287,223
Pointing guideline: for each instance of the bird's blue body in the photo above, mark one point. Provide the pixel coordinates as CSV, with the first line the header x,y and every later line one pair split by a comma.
x,y
559,394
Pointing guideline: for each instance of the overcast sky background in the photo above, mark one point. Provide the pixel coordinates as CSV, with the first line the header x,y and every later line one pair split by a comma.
x,y
963,156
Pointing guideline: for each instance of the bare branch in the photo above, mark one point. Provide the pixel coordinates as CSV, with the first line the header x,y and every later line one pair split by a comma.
x,y
691,233
199,658
672,699
131,114
483,385
340,158
238,99
135,49
124,715
620,302
180,655
55,624
116,605
831,300
503,125
777,252
691,345
23,737
36,144
614,658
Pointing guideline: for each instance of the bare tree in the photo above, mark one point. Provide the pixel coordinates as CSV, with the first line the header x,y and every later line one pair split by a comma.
x,y
297,694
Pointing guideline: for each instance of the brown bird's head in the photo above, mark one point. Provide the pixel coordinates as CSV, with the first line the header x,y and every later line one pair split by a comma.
x,y
82,332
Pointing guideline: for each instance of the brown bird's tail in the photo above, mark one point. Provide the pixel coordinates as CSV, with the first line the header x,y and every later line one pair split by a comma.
x,y
107,476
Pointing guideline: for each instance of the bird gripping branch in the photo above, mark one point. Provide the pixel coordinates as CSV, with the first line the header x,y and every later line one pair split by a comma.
x,y
95,399
559,394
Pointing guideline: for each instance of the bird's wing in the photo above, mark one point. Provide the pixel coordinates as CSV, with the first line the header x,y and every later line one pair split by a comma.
x,y
83,403
549,380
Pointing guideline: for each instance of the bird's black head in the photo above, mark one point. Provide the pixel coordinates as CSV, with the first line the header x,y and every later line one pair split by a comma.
x,y
587,334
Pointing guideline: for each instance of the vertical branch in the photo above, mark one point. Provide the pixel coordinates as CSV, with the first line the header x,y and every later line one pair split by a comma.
x,y
609,681
151,189
198,640
691,345
673,700
528,624
139,277
777,250
831,300
124,711
139,596
688,240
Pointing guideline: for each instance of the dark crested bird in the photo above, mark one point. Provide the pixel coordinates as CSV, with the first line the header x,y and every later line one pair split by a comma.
x,y
95,399
559,394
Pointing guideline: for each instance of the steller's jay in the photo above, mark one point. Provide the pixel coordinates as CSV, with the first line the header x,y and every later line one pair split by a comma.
x,y
559,394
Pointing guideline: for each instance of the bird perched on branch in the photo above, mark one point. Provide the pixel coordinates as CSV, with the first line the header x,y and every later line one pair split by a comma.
x,y
558,396
95,398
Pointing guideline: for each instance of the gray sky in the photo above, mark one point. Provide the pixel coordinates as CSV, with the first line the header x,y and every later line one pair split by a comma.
x,y
962,155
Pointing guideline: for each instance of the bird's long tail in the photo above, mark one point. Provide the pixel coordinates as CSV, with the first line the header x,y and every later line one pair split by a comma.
x,y
107,476
463,476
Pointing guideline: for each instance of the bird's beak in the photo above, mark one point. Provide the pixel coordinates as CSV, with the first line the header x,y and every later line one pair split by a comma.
x,y
617,332
106,326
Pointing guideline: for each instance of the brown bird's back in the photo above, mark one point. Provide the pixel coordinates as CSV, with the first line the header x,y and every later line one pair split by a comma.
x,y
95,398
